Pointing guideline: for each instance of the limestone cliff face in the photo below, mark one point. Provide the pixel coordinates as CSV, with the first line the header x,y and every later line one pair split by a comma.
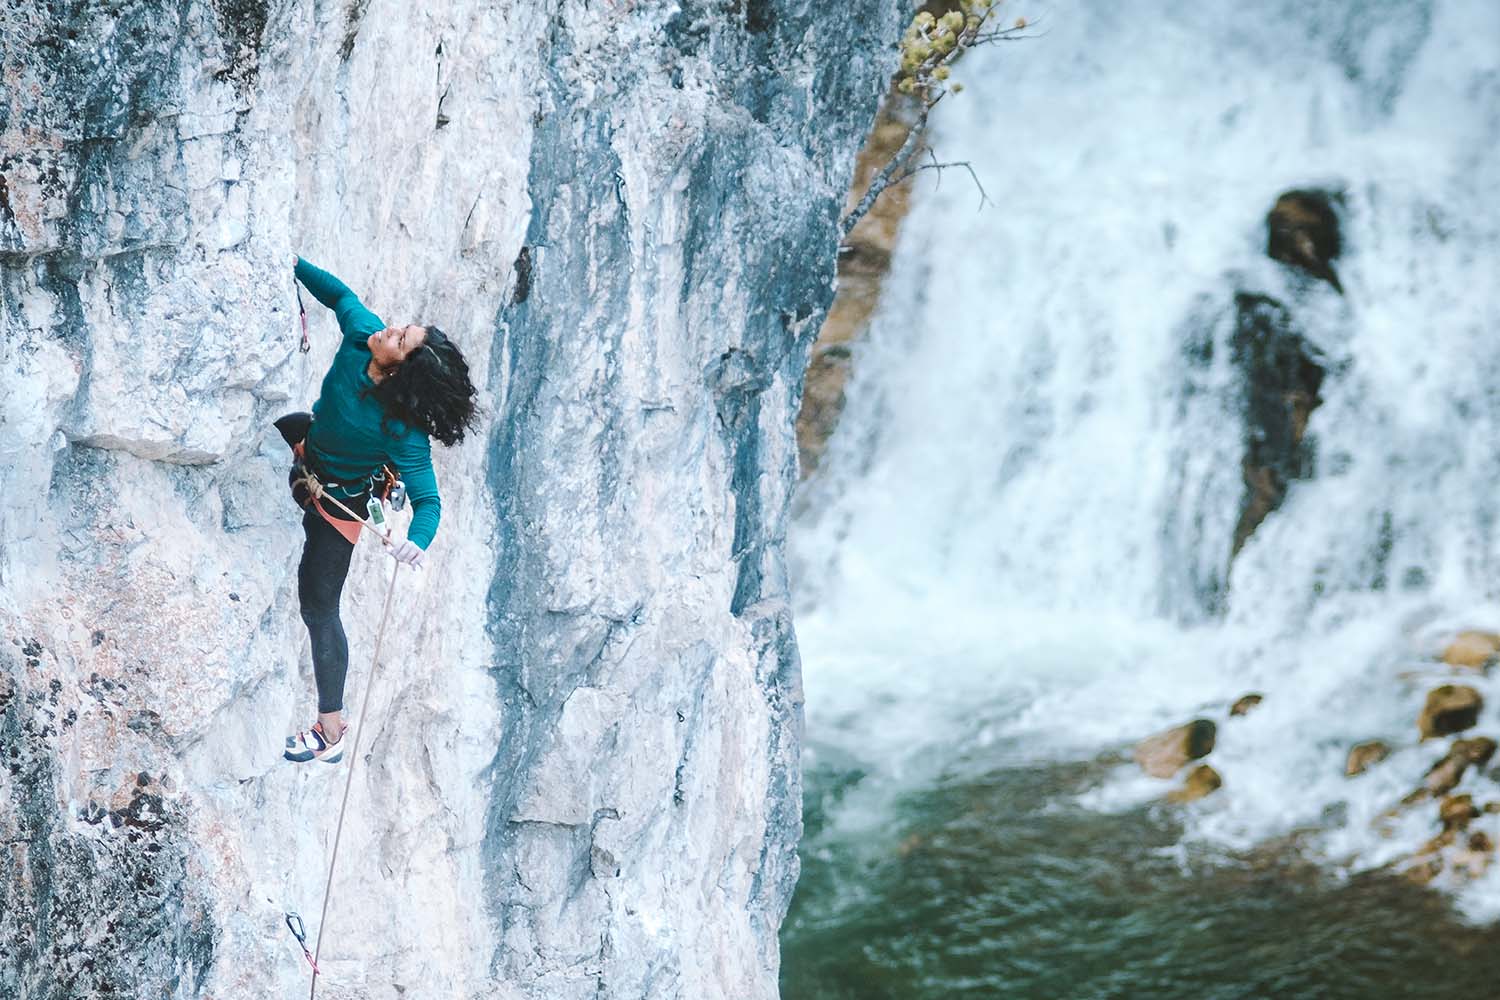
x,y
578,773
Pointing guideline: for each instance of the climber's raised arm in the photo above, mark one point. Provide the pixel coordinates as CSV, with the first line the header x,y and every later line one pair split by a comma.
x,y
356,322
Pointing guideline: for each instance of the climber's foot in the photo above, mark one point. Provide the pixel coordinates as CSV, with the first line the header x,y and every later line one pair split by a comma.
x,y
311,744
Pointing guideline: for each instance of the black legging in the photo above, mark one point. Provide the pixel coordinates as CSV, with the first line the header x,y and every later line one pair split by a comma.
x,y
320,582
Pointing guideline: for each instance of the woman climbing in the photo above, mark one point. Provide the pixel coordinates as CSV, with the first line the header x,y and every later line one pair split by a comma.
x,y
389,390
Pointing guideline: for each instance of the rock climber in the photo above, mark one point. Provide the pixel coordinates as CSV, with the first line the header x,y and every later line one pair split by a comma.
x,y
389,391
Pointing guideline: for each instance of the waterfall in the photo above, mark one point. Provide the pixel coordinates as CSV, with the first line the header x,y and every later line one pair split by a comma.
x,y
1019,543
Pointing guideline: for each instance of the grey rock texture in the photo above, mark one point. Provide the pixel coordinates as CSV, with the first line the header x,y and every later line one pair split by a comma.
x,y
579,771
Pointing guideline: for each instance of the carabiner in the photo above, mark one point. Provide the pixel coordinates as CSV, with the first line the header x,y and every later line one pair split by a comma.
x,y
302,314
294,924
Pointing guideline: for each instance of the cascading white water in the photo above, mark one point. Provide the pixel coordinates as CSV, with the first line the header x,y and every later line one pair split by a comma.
x,y
1001,546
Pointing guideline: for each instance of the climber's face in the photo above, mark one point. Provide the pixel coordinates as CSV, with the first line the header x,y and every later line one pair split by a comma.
x,y
394,344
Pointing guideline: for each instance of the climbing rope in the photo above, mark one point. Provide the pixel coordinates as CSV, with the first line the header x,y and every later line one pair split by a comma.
x,y
316,490
385,615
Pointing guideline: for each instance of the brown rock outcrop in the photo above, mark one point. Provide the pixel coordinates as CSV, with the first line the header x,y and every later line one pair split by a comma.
x,y
1445,839
1451,708
1164,754
1471,859
1303,231
1282,380
1365,755
1424,869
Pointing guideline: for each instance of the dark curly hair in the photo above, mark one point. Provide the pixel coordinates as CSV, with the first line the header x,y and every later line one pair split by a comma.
x,y
430,391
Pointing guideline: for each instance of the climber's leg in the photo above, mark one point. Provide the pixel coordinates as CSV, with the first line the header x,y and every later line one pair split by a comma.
x,y
320,583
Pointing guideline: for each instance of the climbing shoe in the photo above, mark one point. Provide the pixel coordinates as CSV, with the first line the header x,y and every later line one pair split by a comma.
x,y
310,745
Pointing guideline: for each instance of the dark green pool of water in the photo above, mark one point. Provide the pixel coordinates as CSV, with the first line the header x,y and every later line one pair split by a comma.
x,y
994,887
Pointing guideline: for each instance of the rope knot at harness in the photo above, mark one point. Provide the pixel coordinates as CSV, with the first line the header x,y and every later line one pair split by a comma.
x,y
314,488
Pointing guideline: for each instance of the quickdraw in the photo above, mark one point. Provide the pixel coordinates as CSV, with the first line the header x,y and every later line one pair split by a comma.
x,y
390,489
294,924
302,312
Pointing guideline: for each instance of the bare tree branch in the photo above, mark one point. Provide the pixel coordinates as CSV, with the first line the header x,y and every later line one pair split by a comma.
x,y
928,47
984,198
910,146
1015,33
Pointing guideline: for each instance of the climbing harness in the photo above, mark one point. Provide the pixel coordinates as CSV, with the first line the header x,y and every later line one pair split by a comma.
x,y
302,312
382,486
303,478
294,923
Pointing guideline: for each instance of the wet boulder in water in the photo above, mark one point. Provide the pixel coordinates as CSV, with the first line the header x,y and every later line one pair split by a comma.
x,y
1424,869
1365,755
1456,812
1474,858
1448,772
1303,232
1201,781
1451,708
1478,750
1442,841
1245,704
1282,379
1164,754
1472,650
1464,857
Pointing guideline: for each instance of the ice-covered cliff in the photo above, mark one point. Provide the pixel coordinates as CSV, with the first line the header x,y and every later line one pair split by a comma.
x,y
579,771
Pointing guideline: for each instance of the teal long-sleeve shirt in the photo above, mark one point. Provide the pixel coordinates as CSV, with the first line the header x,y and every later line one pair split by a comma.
x,y
347,440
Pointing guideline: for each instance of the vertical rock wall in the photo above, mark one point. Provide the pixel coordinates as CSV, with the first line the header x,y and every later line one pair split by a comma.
x,y
578,771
